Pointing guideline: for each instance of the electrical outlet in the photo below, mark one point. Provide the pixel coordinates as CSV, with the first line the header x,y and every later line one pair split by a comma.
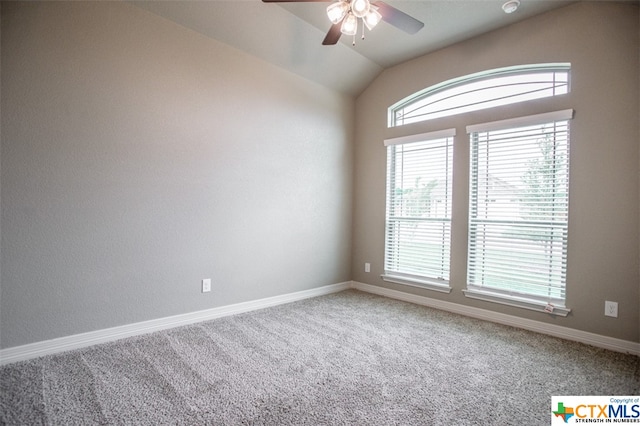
x,y
611,309
206,285
367,267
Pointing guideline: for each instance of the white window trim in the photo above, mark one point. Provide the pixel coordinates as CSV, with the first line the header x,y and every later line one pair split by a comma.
x,y
529,120
518,302
438,134
430,284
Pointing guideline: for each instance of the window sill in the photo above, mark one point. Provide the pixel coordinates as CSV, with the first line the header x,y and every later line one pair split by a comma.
x,y
435,285
518,302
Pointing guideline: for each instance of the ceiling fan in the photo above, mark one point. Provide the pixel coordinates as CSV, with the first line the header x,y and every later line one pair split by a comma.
x,y
344,15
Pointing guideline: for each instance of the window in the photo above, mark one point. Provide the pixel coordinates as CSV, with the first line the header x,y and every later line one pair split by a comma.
x,y
488,89
418,216
518,190
518,209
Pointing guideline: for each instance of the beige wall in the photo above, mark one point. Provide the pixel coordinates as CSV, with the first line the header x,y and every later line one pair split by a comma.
x,y
601,40
139,157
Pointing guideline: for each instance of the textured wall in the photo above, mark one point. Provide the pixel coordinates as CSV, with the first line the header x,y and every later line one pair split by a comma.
x,y
600,39
139,157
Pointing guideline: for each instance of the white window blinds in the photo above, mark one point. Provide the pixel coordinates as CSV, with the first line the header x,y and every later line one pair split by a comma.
x,y
418,215
518,210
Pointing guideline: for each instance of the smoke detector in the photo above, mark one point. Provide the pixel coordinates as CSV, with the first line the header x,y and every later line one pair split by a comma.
x,y
511,6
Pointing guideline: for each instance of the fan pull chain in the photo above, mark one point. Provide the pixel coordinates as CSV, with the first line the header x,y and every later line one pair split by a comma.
x,y
363,30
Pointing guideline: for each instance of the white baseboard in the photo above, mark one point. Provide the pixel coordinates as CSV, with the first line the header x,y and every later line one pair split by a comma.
x,y
77,341
592,339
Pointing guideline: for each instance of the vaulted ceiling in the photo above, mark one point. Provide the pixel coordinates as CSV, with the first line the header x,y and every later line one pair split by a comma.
x,y
289,35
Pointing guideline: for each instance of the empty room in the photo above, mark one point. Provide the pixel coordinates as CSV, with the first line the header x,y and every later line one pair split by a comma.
x,y
320,212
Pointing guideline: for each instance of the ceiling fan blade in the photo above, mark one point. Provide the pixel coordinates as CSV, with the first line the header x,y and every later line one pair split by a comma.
x,y
398,19
333,35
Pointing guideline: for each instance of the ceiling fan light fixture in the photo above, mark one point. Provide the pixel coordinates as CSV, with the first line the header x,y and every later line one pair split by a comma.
x,y
349,25
337,11
372,18
360,8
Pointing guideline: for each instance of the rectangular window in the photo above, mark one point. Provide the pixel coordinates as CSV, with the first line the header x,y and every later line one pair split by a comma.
x,y
418,216
518,210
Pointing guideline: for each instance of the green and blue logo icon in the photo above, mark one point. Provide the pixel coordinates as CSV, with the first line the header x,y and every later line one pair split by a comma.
x,y
564,412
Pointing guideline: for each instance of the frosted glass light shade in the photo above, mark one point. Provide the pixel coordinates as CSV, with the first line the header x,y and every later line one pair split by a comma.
x,y
349,25
337,11
372,18
360,8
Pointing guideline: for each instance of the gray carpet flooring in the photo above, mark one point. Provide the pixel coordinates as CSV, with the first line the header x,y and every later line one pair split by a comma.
x,y
348,358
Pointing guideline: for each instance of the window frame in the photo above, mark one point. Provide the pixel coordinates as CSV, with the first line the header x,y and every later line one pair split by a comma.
x,y
471,79
522,300
557,85
404,277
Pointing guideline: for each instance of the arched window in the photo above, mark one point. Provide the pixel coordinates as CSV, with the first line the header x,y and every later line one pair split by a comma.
x,y
518,190
488,89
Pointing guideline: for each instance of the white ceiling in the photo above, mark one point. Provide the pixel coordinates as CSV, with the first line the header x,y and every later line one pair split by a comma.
x,y
289,35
